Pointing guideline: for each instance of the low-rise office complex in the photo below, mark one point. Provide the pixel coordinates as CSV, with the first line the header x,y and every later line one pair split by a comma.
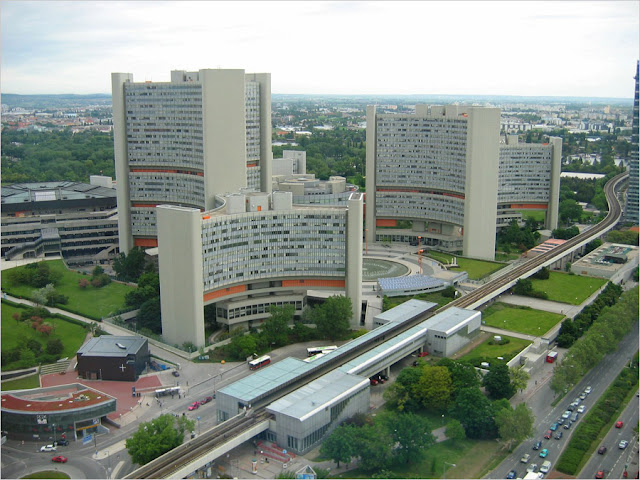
x,y
71,219
444,170
253,251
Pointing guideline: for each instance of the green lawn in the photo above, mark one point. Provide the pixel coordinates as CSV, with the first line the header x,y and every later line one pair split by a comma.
x,y
32,381
537,215
507,351
565,288
469,456
72,335
92,302
476,269
435,297
520,319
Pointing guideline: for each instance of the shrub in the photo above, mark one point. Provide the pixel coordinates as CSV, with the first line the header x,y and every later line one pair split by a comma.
x,y
54,346
83,283
45,329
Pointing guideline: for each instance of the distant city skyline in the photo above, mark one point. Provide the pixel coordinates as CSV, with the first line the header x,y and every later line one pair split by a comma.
x,y
576,48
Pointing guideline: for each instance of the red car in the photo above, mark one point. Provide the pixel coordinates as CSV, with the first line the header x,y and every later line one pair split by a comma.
x,y
548,434
193,406
59,459
423,354
206,400
619,424
600,474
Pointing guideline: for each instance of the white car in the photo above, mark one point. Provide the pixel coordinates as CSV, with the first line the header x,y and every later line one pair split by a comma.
x,y
525,458
581,409
532,468
623,444
587,390
48,448
566,414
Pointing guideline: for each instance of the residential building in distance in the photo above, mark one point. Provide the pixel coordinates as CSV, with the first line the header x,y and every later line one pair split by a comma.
x,y
252,251
78,221
184,141
444,170
633,197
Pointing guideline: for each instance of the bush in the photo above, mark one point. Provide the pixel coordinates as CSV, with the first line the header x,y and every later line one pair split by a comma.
x,y
54,346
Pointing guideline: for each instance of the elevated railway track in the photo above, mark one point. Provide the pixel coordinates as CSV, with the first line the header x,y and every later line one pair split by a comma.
x,y
188,454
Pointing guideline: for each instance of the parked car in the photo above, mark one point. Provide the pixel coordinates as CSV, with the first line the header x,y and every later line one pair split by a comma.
x,y
537,445
59,459
553,427
619,424
602,450
512,474
558,435
548,434
61,443
206,400
623,444
373,381
581,409
544,452
194,406
423,354
175,373
525,458
48,448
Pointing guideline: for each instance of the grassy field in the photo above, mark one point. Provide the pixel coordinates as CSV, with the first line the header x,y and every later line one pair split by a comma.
x,y
32,381
537,215
476,269
435,297
470,456
93,302
565,288
47,474
520,319
507,351
72,335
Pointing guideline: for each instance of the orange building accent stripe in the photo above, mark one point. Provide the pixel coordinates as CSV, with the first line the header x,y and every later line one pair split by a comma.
x,y
307,282
252,164
145,205
165,170
224,292
386,222
533,206
145,242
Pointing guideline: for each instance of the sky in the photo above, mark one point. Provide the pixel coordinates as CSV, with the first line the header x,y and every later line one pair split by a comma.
x,y
528,48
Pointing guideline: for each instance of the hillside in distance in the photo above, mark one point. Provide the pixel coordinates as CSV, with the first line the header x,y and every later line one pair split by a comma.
x,y
56,101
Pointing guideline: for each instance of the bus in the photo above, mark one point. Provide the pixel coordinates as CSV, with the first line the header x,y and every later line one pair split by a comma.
x,y
161,392
311,351
259,362
313,357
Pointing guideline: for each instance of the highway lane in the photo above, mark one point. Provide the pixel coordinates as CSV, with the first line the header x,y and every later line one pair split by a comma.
x,y
599,378
615,459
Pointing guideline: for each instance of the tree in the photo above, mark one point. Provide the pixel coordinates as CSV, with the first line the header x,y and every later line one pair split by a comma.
x,y
148,288
149,315
434,387
27,358
83,283
569,210
515,425
276,327
340,445
463,375
474,412
243,346
455,431
402,395
374,446
524,286
130,267
41,296
335,313
519,378
498,383
411,435
157,437
54,346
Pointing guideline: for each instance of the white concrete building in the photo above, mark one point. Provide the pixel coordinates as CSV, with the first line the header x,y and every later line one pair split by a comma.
x,y
183,142
441,169
253,251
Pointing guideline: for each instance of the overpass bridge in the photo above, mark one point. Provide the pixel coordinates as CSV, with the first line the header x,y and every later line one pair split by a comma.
x,y
184,460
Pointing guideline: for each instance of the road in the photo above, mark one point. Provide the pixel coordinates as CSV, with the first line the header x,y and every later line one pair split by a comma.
x,y
599,378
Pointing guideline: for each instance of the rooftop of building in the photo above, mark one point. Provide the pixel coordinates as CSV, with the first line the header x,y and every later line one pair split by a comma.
x,y
409,282
20,193
112,346
54,399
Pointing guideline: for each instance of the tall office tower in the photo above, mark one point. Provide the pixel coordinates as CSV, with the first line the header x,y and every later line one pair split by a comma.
x,y
440,178
253,251
631,210
184,141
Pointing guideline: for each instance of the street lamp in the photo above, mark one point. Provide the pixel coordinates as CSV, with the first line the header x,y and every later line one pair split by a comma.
x,y
443,419
444,468
54,433
198,424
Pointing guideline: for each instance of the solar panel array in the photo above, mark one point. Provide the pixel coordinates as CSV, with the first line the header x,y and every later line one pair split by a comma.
x,y
410,282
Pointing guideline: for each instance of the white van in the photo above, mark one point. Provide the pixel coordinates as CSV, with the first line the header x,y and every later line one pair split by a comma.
x,y
545,467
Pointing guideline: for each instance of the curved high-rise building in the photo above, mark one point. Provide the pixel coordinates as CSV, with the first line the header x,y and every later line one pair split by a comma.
x,y
631,209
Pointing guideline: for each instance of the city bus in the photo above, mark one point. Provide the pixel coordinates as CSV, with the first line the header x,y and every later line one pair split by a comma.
x,y
311,351
259,362
313,357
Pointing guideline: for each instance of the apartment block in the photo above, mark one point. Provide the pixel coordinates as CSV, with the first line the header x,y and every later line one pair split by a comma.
x,y
184,141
